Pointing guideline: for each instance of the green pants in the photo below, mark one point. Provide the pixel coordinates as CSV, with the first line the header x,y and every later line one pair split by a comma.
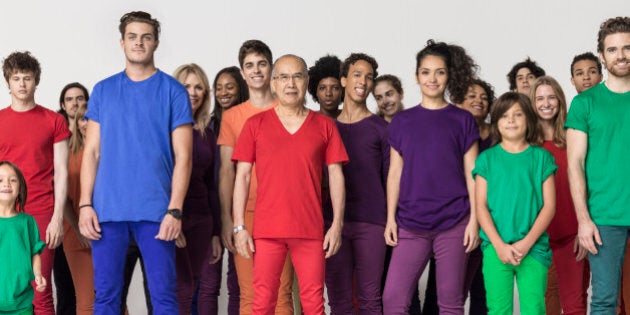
x,y
531,281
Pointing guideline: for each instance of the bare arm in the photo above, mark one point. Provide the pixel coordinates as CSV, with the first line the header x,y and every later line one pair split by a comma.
x,y
332,239
471,234
226,189
242,239
506,253
54,231
88,221
577,144
393,192
40,281
181,139
542,220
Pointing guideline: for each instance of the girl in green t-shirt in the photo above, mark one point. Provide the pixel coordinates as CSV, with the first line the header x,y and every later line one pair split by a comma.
x,y
19,240
515,198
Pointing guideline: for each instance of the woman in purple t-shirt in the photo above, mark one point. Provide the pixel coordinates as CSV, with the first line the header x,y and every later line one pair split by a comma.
x,y
430,186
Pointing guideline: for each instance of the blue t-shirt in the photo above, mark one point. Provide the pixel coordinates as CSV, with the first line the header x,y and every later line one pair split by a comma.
x,y
133,180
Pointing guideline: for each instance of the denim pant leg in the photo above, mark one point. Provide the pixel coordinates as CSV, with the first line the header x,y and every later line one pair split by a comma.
x,y
606,269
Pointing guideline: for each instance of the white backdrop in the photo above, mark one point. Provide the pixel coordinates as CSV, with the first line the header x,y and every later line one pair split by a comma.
x,y
77,40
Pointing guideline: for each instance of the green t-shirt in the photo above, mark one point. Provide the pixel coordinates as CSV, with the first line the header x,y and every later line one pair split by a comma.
x,y
515,195
605,118
19,241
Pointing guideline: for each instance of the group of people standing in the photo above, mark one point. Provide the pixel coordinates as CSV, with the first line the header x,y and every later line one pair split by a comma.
x,y
345,199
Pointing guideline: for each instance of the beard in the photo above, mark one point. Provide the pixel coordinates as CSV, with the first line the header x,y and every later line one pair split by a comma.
x,y
620,73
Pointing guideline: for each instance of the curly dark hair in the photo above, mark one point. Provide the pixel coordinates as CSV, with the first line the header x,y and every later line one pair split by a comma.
x,y
620,24
254,46
21,62
142,17
328,66
354,57
586,56
459,98
529,64
460,66
243,94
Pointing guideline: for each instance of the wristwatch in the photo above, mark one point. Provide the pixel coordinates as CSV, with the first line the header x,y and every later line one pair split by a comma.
x,y
238,228
176,213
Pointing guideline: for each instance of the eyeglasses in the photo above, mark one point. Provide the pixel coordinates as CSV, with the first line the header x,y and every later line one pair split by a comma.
x,y
285,78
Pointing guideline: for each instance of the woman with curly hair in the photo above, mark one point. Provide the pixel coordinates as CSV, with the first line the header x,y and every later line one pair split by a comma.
x,y
325,86
429,186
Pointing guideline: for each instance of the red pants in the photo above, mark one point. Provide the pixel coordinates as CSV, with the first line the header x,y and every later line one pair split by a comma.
x,y
624,295
43,301
573,277
307,257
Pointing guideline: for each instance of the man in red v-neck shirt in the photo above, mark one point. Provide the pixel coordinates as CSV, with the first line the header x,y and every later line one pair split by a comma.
x,y
289,145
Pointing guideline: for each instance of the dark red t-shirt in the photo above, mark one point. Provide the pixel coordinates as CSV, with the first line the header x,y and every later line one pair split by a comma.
x,y
564,222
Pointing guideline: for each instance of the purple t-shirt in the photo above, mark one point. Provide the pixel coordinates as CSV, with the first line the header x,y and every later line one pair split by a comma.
x,y
366,173
432,143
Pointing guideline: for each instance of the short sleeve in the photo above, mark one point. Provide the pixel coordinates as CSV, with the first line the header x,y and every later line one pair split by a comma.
x,y
227,135
60,126
37,246
181,111
335,150
393,134
549,164
481,165
471,132
578,114
245,149
94,104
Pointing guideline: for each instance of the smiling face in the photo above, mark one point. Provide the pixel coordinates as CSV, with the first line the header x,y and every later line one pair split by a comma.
x,y
139,43
389,101
72,100
546,102
22,86
290,81
196,91
616,55
513,124
256,71
585,74
226,91
476,102
432,76
359,82
9,185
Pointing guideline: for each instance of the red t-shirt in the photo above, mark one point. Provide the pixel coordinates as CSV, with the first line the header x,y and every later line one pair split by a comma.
x,y
289,169
564,223
27,139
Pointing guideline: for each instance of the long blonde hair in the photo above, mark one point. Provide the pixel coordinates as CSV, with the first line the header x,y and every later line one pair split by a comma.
x,y
202,116
76,140
559,134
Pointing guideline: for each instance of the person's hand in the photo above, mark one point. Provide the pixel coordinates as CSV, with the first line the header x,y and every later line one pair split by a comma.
x,y
589,236
508,254
244,244
54,232
391,233
522,248
332,240
169,228
84,242
217,250
88,224
40,283
471,236
180,241
580,252
227,234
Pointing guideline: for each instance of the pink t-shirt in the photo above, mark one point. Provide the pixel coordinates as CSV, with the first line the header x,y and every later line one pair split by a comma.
x,y
289,167
27,139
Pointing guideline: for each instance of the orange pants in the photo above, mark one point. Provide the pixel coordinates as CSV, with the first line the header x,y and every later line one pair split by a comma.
x,y
624,295
80,263
245,273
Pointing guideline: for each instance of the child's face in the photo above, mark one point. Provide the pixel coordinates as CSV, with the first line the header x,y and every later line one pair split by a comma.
x,y
9,184
513,124
546,102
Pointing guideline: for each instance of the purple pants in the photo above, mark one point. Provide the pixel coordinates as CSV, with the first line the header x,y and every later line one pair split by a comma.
x,y
410,258
362,254
210,287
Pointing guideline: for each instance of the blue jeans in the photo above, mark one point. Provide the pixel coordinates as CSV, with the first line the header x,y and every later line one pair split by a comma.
x,y
606,269
109,255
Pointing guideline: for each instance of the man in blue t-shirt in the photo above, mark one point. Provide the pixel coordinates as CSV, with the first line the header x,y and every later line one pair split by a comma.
x,y
136,168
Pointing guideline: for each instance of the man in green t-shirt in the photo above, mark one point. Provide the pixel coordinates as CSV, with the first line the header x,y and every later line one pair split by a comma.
x,y
598,138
